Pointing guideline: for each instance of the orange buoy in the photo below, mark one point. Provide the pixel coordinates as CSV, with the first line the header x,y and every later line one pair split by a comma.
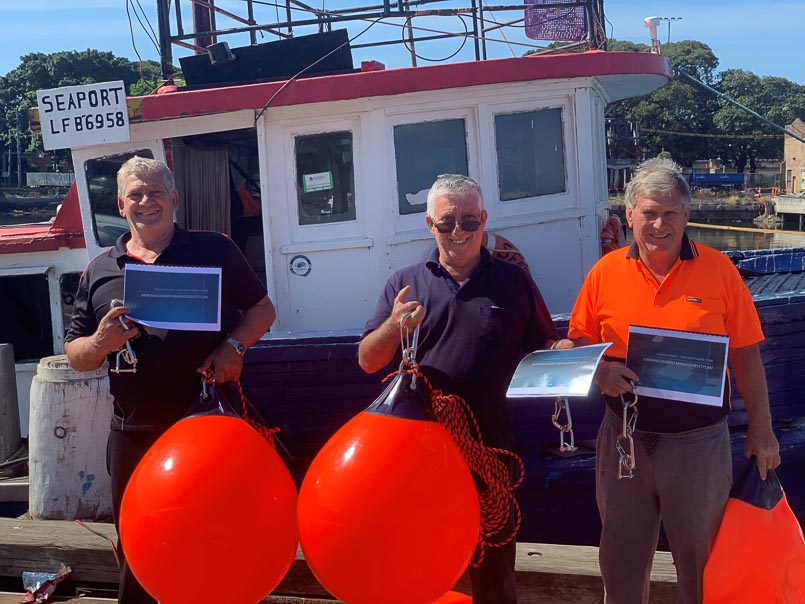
x,y
388,511
759,551
209,514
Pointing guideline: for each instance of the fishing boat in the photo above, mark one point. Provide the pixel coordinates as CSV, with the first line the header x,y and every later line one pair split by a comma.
x,y
319,171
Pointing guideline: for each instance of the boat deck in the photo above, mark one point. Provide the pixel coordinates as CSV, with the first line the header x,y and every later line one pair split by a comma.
x,y
545,573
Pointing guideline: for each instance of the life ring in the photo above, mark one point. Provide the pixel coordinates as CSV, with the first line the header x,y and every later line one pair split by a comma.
x,y
612,236
503,249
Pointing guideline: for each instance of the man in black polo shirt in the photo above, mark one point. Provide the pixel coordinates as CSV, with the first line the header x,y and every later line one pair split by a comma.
x,y
478,316
167,380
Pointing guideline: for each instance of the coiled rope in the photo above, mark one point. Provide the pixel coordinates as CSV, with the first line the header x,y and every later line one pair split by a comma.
x,y
494,480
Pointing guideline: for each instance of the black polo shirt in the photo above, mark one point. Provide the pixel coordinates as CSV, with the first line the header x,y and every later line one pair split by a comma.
x,y
474,335
166,382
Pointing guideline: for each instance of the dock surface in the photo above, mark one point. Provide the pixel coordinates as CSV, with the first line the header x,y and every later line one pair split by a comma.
x,y
546,573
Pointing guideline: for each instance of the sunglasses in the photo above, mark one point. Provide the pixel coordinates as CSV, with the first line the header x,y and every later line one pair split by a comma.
x,y
448,226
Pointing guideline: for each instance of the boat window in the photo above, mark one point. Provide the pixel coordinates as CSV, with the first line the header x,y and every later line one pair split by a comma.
x,y
25,303
530,154
101,172
422,152
325,181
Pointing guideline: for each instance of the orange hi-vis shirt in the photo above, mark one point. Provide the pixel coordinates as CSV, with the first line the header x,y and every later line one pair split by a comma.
x,y
703,292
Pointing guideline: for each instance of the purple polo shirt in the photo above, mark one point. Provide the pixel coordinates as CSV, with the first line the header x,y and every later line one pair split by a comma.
x,y
473,336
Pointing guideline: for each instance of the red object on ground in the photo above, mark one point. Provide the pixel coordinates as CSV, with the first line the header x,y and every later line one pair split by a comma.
x,y
388,511
209,514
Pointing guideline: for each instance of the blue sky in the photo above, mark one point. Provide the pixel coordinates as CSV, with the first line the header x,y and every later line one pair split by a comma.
x,y
756,35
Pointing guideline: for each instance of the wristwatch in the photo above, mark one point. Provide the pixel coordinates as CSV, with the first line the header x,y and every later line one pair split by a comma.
x,y
239,347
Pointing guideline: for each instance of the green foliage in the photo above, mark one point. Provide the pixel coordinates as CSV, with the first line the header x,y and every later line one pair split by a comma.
x,y
38,71
684,107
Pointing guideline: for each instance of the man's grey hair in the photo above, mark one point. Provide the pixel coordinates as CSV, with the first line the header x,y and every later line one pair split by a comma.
x,y
141,166
656,178
453,184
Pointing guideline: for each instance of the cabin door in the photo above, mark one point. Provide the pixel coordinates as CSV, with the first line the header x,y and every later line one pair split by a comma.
x,y
324,262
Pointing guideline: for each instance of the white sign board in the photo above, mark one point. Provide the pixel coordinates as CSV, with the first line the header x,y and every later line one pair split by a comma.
x,y
81,116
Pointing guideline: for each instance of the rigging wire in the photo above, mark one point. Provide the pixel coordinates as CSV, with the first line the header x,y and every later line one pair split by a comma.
x,y
313,64
448,57
706,135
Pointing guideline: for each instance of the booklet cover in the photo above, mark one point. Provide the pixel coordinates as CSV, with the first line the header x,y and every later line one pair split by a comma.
x,y
553,373
678,365
174,297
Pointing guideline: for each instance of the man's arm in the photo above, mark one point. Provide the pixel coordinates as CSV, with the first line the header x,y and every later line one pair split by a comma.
x,y
378,347
750,376
224,361
89,352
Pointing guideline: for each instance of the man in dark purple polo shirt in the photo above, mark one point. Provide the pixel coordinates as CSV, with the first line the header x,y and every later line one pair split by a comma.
x,y
478,316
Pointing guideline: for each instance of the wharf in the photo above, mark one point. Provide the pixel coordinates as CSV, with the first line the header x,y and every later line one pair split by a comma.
x,y
545,573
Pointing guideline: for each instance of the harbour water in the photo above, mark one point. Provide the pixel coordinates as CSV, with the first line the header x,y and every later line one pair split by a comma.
x,y
745,237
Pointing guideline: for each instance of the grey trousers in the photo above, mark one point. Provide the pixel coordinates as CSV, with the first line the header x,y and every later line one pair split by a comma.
x,y
683,479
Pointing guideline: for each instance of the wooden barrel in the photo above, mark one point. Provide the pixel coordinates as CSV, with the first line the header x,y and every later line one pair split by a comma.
x,y
68,429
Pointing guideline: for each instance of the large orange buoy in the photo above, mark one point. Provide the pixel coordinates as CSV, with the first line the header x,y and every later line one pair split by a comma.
x,y
759,552
209,514
388,511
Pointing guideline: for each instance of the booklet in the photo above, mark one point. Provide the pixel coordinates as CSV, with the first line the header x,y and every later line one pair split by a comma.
x,y
551,373
174,297
678,365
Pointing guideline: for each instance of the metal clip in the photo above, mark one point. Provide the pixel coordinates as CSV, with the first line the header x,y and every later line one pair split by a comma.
x,y
126,353
561,404
624,444
409,344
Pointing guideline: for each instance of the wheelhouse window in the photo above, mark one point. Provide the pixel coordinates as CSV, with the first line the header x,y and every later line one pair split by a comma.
x,y
422,152
325,180
68,286
101,172
25,302
530,154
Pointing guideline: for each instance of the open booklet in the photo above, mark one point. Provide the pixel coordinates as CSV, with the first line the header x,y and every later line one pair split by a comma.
x,y
552,373
678,365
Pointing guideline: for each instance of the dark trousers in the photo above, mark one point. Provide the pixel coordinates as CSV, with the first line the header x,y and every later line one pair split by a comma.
x,y
123,452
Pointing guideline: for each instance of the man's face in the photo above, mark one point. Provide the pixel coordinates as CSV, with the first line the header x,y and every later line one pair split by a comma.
x,y
659,223
461,212
146,204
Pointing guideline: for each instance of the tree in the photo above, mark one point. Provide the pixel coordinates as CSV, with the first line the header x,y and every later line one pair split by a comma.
x,y
777,99
678,107
38,71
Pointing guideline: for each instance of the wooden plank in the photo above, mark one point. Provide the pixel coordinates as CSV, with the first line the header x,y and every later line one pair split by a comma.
x,y
546,573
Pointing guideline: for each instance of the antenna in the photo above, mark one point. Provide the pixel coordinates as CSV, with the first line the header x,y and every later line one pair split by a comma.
x,y
651,23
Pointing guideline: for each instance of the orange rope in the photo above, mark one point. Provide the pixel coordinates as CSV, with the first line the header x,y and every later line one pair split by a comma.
x,y
258,423
495,484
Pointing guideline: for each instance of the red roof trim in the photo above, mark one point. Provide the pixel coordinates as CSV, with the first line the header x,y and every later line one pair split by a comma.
x,y
399,81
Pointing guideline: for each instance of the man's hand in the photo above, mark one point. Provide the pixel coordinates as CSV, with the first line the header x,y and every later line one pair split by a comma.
x,y
614,378
224,363
563,344
401,308
378,348
111,335
762,443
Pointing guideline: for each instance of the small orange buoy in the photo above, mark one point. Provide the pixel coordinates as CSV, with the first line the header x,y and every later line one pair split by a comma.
x,y
759,552
388,511
209,514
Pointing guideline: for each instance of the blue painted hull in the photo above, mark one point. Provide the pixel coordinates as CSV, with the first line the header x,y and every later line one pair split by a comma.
x,y
309,387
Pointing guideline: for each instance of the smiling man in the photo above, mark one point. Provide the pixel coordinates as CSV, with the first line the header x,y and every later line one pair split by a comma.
x,y
684,458
167,380
478,316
